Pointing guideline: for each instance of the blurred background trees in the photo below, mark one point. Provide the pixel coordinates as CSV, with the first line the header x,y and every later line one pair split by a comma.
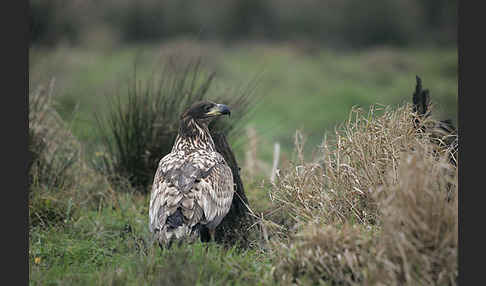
x,y
334,23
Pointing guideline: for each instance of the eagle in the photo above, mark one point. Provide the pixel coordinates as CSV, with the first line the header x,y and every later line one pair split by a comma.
x,y
193,186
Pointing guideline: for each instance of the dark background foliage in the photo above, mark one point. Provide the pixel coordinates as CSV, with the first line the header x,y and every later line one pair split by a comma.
x,y
342,23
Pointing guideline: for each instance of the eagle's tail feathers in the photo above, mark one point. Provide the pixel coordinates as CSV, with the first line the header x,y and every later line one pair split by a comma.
x,y
177,230
175,220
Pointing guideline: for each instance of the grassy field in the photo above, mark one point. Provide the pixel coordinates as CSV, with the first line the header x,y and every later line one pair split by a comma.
x,y
92,232
297,89
110,246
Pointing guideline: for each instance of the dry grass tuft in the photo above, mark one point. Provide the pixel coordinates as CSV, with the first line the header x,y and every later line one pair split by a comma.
x,y
59,180
325,254
418,245
337,187
53,148
378,208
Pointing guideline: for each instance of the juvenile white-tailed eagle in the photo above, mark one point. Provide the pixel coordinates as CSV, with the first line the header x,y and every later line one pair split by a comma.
x,y
193,186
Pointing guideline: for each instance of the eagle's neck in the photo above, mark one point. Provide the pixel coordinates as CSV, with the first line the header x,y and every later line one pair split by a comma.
x,y
193,135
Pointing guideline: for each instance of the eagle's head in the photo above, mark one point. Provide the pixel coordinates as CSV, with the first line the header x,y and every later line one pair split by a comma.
x,y
195,120
205,111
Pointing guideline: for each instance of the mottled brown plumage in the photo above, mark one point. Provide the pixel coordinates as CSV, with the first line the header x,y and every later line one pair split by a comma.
x,y
193,185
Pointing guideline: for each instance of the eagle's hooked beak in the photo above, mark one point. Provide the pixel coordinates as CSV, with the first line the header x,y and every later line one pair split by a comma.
x,y
219,109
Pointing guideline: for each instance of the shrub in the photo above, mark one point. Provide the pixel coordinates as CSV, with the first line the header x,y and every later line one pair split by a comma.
x,y
140,127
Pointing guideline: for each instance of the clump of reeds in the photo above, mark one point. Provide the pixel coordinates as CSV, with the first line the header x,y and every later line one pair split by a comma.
x,y
141,126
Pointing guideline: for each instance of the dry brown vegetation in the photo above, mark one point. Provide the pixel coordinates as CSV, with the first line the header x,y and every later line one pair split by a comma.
x,y
323,253
418,241
53,148
377,208
60,181
337,186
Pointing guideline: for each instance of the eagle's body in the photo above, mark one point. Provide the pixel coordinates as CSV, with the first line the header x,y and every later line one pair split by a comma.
x,y
193,185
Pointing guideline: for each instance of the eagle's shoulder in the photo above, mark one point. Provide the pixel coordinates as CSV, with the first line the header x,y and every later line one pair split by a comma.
x,y
180,170
191,160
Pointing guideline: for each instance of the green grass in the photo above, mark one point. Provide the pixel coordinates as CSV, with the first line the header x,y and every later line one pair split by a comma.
x,y
317,90
112,245
299,90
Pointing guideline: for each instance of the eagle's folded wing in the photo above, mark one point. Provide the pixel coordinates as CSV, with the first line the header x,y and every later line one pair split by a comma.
x,y
216,194
204,192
